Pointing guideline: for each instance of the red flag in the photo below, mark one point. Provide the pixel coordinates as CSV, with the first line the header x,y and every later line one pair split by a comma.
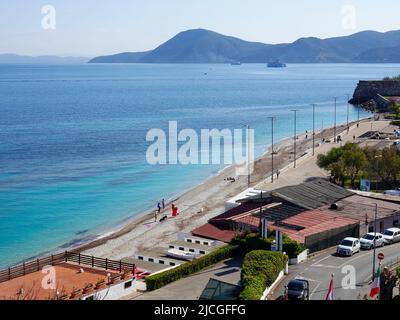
x,y
329,296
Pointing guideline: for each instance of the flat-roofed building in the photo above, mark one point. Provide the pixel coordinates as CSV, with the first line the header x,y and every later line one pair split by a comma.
x,y
362,209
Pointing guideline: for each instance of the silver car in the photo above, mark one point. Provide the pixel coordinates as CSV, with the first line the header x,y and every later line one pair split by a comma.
x,y
372,239
348,247
391,235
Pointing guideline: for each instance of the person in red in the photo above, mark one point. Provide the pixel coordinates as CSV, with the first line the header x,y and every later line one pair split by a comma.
x,y
174,210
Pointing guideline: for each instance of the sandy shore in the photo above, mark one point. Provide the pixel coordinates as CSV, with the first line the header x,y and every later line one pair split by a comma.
x,y
207,200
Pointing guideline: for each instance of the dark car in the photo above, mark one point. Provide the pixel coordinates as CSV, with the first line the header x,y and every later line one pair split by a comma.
x,y
298,289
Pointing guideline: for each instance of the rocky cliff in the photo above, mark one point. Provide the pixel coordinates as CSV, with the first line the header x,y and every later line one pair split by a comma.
x,y
375,92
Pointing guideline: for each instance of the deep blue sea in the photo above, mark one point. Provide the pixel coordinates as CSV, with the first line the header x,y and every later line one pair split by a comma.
x,y
72,138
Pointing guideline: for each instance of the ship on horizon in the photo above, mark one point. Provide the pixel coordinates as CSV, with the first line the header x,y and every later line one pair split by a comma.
x,y
276,64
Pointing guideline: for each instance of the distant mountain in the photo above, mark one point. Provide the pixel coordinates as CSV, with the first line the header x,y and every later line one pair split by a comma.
x,y
127,57
380,55
17,59
204,46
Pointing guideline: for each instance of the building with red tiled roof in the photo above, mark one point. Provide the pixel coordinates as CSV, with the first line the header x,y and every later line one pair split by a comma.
x,y
316,229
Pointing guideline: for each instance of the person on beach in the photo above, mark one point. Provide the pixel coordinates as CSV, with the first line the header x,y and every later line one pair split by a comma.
x,y
158,207
155,216
163,203
174,210
277,175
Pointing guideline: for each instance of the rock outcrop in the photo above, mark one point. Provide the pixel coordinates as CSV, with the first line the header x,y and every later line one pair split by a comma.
x,y
377,92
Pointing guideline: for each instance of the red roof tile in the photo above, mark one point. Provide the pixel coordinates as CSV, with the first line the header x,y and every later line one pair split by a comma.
x,y
246,207
213,232
313,222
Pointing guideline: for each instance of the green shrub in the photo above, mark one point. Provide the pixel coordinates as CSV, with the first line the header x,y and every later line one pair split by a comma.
x,y
253,241
259,270
292,248
159,280
395,123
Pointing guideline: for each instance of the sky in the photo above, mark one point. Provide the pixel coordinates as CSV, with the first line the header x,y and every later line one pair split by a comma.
x,y
97,27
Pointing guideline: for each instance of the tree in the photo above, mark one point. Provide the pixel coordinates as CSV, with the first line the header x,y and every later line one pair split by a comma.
x,y
354,160
383,165
344,162
395,108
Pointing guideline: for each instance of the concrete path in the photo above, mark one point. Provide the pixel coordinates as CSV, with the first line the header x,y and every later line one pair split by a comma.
x,y
306,166
191,287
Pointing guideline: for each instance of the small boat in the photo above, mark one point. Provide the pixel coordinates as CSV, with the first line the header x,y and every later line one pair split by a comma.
x,y
179,254
276,64
236,63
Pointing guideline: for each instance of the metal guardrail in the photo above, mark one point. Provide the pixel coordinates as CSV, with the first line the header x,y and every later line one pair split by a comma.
x,y
392,262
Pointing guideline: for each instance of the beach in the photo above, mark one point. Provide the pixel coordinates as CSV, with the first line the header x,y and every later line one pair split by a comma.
x,y
206,200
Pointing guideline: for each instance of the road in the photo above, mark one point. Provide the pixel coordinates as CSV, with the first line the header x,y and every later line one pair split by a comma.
x,y
319,269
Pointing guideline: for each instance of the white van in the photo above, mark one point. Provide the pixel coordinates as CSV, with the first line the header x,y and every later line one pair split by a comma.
x,y
391,235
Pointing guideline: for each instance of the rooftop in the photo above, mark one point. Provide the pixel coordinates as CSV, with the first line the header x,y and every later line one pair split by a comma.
x,y
211,231
312,194
359,207
36,280
312,222
308,195
67,278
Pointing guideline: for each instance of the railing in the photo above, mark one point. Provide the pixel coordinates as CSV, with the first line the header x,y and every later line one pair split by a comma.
x,y
392,262
67,256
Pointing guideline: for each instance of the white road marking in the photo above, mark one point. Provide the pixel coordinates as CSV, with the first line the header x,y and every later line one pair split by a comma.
x,y
315,289
319,261
324,266
352,259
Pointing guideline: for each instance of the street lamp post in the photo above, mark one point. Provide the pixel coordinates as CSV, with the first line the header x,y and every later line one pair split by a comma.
x,y
334,128
358,113
248,156
295,135
348,107
374,256
313,133
272,150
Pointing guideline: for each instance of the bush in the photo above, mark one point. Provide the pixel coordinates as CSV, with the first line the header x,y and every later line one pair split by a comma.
x,y
253,241
259,270
395,123
159,280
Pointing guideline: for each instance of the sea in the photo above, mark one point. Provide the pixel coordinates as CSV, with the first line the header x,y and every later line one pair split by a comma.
x,y
73,142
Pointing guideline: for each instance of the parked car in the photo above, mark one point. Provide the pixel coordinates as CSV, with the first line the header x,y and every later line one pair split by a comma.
x,y
348,246
391,235
371,239
298,289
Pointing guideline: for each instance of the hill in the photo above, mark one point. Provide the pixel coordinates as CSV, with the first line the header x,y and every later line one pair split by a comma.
x,y
204,46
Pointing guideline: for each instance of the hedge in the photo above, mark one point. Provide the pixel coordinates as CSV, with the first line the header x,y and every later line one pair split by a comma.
x,y
253,241
259,270
159,280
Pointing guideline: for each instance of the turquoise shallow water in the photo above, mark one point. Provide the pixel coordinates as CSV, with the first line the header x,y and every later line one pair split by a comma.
x,y
72,138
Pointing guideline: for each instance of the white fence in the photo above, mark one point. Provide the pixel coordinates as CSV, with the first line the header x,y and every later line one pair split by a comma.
x,y
300,258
